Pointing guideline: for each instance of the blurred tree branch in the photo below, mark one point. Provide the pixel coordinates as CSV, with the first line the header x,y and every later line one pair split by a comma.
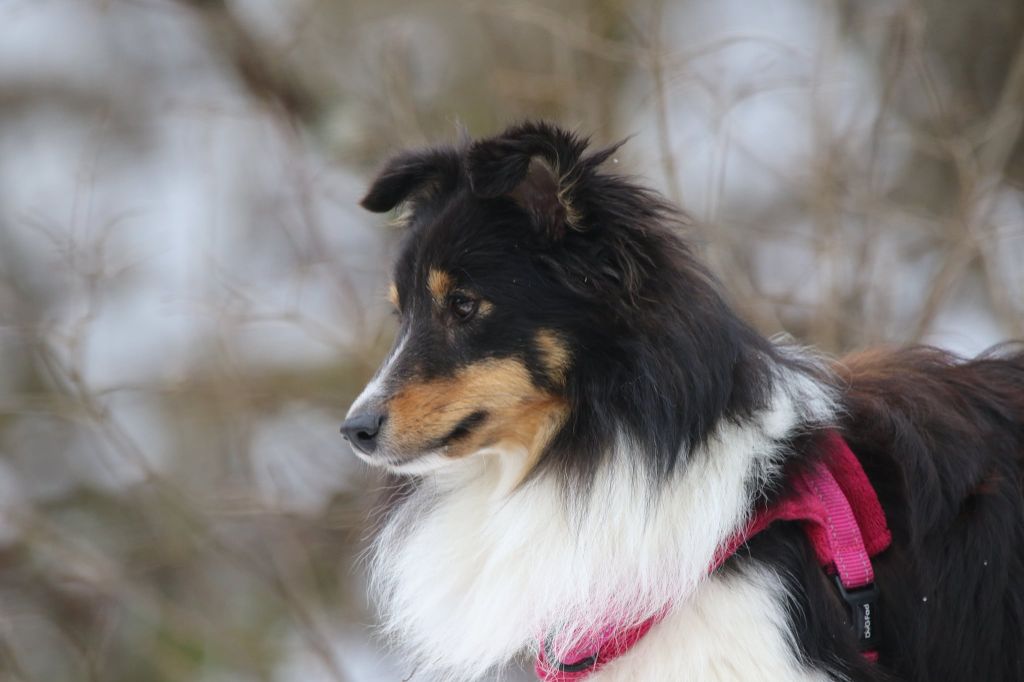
x,y
266,75
980,165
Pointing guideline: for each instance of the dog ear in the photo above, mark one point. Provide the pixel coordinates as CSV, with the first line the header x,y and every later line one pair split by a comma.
x,y
536,165
409,175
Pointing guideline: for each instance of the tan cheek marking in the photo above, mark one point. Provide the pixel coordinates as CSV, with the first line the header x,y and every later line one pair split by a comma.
x,y
531,425
440,284
393,294
554,354
426,411
518,414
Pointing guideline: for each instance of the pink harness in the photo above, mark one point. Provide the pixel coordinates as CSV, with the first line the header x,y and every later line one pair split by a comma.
x,y
844,521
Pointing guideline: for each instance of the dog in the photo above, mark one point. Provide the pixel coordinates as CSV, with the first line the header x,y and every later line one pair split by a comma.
x,y
583,425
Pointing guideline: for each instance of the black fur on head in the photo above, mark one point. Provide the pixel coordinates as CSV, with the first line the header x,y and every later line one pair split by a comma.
x,y
534,225
410,174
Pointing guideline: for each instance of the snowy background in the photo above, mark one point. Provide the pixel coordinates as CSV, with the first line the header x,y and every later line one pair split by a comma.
x,y
190,296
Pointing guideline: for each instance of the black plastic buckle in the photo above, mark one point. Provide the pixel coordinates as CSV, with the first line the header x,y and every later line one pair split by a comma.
x,y
862,606
580,665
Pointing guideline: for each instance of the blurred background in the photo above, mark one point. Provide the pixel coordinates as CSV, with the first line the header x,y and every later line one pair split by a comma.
x,y
190,296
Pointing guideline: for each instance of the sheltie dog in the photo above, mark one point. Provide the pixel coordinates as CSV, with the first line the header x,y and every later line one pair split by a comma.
x,y
581,423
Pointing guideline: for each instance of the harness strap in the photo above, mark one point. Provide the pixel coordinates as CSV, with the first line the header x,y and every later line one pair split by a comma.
x,y
839,512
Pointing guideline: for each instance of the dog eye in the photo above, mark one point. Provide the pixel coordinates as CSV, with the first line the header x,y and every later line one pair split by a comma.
x,y
463,307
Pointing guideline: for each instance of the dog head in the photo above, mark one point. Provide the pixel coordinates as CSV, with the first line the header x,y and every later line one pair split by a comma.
x,y
546,308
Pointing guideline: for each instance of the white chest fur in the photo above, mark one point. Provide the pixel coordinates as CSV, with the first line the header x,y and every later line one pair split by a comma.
x,y
470,573
735,629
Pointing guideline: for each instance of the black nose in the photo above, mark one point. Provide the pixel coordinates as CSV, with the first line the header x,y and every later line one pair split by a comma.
x,y
361,430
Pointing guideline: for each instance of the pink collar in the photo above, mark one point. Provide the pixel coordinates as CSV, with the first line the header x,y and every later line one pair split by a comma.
x,y
844,521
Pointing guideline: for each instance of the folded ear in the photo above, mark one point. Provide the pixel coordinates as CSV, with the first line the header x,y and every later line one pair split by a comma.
x,y
411,174
535,165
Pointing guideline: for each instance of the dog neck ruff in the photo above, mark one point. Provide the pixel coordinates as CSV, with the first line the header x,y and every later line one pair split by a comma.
x,y
840,513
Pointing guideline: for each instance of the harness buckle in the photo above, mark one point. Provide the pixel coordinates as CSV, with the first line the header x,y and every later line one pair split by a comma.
x,y
862,609
558,665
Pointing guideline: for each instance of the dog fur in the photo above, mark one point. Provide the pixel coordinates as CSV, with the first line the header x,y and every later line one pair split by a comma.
x,y
581,421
